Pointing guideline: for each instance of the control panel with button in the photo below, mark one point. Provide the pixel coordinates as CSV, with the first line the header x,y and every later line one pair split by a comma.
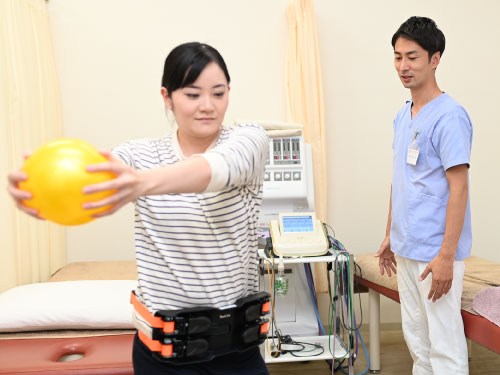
x,y
288,185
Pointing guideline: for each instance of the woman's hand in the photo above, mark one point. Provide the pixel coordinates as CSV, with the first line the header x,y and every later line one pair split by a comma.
x,y
128,185
14,178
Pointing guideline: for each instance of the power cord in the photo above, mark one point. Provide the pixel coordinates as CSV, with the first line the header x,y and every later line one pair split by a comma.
x,y
343,296
296,348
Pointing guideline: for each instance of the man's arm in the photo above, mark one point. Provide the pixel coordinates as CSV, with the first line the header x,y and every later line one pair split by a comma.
x,y
442,265
386,260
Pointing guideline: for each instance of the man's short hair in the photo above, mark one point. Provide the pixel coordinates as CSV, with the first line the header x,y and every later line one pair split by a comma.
x,y
423,31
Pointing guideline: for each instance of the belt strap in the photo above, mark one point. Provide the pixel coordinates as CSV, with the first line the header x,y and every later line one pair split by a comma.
x,y
156,346
154,321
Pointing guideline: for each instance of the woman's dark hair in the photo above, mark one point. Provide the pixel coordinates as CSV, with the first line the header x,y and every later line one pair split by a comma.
x,y
424,31
185,62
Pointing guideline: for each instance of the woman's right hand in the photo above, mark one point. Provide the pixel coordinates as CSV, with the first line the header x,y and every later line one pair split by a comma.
x,y
14,178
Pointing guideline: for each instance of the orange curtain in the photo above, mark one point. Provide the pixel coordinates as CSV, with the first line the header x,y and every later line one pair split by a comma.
x,y
304,96
30,114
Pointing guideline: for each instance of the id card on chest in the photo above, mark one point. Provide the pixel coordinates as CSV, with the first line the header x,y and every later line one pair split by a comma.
x,y
413,151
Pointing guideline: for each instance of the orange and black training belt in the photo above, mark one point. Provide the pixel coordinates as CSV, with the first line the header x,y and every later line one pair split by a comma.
x,y
200,334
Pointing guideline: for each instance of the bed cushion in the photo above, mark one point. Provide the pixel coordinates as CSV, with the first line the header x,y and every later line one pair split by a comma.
x,y
100,270
85,304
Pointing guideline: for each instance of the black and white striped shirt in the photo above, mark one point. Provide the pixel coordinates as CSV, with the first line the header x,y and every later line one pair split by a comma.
x,y
200,249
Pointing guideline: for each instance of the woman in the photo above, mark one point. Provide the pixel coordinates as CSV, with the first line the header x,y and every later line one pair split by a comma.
x,y
197,195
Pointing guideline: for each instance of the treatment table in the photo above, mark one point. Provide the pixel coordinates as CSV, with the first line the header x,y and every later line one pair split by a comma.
x,y
479,274
97,352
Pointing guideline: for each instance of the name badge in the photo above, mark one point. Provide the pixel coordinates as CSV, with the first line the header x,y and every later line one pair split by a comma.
x,y
412,156
413,151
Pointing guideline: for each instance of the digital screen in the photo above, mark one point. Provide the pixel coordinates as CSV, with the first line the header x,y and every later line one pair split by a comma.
x,y
298,224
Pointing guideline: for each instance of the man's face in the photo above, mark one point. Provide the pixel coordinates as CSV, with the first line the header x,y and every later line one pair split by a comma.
x,y
412,64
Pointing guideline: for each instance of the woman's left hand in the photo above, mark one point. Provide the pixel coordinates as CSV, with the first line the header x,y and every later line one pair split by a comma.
x,y
127,184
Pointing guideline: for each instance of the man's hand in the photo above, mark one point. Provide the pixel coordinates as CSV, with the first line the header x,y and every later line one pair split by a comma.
x,y
386,259
442,276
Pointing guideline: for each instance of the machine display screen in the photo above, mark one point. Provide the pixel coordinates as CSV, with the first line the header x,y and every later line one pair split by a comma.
x,y
298,224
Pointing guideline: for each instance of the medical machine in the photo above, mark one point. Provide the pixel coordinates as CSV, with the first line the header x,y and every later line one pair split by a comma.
x,y
288,187
295,239
298,234
288,179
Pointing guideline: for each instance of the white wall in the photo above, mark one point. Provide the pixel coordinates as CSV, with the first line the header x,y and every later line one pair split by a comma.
x,y
363,93
110,56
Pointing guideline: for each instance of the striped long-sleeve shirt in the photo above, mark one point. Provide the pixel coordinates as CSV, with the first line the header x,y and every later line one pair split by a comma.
x,y
200,249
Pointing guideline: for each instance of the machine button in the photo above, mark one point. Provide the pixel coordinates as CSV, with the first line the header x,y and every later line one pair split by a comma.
x,y
267,176
296,176
278,176
287,176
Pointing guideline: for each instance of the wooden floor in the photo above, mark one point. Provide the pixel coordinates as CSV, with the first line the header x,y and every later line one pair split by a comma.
x,y
394,358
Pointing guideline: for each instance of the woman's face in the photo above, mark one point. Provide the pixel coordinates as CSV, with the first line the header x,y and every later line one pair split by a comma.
x,y
199,108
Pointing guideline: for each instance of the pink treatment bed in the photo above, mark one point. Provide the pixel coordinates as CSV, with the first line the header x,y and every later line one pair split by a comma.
x,y
78,349
480,274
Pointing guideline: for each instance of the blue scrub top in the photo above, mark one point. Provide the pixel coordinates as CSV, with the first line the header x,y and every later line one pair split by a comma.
x,y
420,192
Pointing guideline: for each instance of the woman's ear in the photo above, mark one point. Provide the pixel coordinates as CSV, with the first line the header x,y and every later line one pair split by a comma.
x,y
166,98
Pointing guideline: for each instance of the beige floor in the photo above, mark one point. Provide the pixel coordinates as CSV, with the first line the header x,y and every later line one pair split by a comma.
x,y
395,359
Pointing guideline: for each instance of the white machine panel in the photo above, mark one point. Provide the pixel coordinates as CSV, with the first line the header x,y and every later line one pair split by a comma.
x,y
288,180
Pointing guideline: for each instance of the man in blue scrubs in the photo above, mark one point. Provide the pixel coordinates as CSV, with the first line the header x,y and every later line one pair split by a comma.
x,y
428,231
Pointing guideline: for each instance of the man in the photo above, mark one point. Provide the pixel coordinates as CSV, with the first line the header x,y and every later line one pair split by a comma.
x,y
428,231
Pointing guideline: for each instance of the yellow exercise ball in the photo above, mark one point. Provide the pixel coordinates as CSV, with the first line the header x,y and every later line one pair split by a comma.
x,y
56,176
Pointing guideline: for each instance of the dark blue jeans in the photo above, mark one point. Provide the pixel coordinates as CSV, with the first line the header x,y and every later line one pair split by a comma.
x,y
249,362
